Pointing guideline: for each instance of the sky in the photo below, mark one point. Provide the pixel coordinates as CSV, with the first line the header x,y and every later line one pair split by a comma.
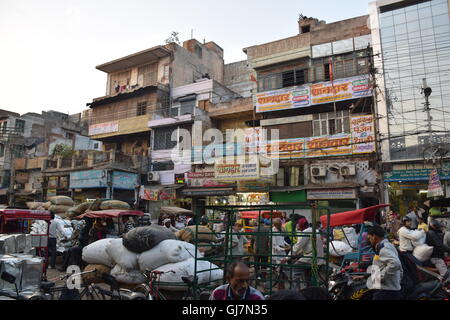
x,y
49,48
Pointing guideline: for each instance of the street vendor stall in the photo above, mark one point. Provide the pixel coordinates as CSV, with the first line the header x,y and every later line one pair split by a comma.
x,y
18,221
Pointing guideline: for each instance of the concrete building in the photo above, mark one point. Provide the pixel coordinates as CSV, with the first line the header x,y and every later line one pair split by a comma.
x,y
411,40
315,88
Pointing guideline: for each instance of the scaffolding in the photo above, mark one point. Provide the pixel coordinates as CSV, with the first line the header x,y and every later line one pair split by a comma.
x,y
269,272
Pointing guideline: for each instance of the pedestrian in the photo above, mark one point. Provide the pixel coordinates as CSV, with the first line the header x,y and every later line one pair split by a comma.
x,y
422,225
387,271
237,286
128,223
279,245
168,224
261,247
238,241
290,228
54,228
435,239
98,230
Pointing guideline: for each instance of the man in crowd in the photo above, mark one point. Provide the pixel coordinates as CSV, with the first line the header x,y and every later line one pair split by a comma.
x,y
261,246
55,226
237,288
168,224
408,236
238,241
412,214
435,239
279,245
387,271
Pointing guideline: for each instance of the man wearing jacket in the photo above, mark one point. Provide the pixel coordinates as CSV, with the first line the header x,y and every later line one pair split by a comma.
x,y
408,237
387,271
435,239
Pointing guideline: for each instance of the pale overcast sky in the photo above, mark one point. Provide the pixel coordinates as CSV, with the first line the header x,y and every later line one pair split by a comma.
x,y
49,48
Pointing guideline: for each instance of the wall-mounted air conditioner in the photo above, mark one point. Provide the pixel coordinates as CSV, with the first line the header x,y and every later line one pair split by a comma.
x,y
153,176
318,171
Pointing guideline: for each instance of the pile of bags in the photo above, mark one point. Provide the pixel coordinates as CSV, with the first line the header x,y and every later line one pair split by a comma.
x,y
62,237
59,204
345,241
147,249
422,251
96,205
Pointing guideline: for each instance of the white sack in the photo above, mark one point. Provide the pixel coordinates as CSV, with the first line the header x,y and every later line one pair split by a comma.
x,y
339,248
185,269
121,255
352,237
423,252
95,253
421,241
129,277
167,251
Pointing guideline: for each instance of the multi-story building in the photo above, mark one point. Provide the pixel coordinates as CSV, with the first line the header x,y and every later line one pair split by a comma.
x,y
410,39
315,89
31,138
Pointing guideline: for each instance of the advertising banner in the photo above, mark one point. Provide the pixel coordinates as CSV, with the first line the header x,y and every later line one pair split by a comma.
x,y
240,169
124,180
88,179
287,148
325,146
203,179
434,185
363,134
309,95
331,194
101,128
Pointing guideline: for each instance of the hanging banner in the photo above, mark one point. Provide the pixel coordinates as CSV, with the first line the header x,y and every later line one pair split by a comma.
x,y
434,185
241,168
101,128
150,194
203,179
336,145
363,134
309,95
167,194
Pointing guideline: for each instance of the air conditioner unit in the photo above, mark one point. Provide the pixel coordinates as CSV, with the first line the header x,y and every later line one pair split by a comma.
x,y
318,171
348,170
153,176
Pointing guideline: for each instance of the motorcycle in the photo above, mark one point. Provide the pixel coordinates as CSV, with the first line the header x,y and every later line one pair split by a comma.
x,y
347,285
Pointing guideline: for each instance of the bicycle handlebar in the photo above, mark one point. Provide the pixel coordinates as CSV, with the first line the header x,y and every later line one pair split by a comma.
x,y
67,276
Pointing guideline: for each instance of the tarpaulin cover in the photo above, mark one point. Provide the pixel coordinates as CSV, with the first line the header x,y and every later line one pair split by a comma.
x,y
113,213
352,217
14,214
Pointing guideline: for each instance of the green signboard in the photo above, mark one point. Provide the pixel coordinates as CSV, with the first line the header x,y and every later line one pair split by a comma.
x,y
286,197
416,174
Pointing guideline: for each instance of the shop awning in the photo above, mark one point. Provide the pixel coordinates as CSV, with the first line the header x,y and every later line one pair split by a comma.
x,y
15,214
207,192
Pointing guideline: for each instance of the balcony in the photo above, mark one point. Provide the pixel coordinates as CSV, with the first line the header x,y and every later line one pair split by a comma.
x,y
85,160
120,127
235,109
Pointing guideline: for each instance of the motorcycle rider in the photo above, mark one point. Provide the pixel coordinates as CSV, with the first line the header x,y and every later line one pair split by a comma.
x,y
408,237
435,239
387,271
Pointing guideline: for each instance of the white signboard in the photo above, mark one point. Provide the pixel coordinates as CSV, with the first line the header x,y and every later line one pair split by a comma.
x,y
101,128
331,194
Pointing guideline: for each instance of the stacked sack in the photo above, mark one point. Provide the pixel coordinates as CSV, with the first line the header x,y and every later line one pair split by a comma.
x,y
205,236
60,205
35,205
345,240
147,249
96,205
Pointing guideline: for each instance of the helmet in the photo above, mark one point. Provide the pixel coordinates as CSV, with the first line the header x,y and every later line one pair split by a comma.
x,y
406,218
436,224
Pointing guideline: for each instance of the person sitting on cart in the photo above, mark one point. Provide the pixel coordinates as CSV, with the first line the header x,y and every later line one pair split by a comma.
x,y
128,223
98,230
237,288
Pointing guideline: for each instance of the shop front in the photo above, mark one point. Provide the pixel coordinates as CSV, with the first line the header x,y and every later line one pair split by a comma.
x,y
407,185
335,200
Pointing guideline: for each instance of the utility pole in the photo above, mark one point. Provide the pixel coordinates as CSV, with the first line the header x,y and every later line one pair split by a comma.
x,y
426,90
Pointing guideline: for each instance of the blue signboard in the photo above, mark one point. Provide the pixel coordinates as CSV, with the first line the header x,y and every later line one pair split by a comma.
x,y
88,179
124,180
416,174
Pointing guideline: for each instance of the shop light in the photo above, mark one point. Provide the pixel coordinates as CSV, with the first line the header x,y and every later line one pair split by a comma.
x,y
423,191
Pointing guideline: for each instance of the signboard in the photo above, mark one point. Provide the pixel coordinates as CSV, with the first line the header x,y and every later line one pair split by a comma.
x,y
167,194
336,145
52,183
203,179
287,148
150,194
434,185
101,128
331,194
252,186
88,179
240,169
124,180
363,134
415,174
309,95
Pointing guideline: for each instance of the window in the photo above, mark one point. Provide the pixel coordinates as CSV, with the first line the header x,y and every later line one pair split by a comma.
x,y
96,145
330,123
3,126
2,150
293,130
284,79
20,126
69,135
163,139
306,29
290,176
141,108
326,72
187,105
